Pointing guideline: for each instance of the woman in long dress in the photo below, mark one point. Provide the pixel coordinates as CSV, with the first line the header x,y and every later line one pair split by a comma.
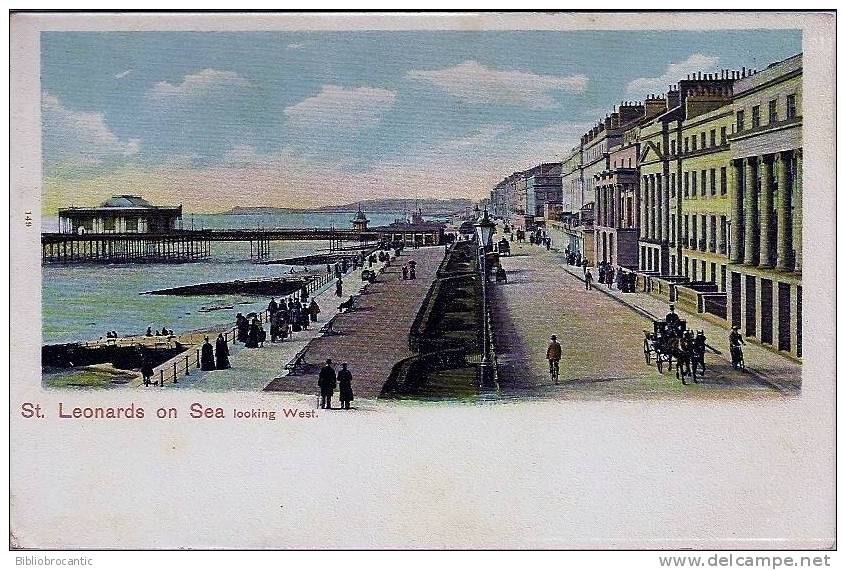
x,y
207,356
253,336
221,352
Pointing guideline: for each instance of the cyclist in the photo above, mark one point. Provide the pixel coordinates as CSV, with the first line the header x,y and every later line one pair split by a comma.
x,y
553,355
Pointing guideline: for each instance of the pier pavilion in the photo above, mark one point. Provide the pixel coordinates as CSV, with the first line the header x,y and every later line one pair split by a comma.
x,y
123,214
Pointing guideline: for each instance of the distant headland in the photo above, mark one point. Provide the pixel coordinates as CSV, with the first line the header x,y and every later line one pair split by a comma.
x,y
427,206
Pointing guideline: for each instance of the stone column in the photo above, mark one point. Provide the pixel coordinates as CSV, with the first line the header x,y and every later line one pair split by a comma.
x,y
653,207
612,207
618,210
656,187
797,212
597,208
637,213
665,196
707,232
783,245
653,210
650,207
750,210
644,200
736,211
642,204
766,212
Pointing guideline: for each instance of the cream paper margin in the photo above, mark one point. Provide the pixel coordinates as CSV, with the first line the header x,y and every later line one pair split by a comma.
x,y
604,474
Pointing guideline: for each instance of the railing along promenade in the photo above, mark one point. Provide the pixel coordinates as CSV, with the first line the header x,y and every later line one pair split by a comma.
x,y
183,364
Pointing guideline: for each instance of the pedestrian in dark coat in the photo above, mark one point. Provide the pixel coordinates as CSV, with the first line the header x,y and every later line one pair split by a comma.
x,y
404,272
221,353
339,288
345,392
326,382
207,356
243,327
274,327
253,336
314,310
272,307
146,369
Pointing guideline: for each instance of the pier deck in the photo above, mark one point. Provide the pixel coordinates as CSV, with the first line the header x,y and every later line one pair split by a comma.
x,y
181,246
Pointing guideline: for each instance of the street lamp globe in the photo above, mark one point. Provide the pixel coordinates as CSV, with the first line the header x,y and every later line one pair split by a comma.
x,y
484,230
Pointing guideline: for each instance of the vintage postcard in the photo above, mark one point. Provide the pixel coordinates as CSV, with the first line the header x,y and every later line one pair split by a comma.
x,y
422,280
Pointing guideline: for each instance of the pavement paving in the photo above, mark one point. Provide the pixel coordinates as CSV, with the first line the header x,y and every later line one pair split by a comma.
x,y
374,336
602,340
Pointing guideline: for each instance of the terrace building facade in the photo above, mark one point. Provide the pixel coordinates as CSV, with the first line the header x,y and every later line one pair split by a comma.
x,y
543,186
765,282
572,181
617,188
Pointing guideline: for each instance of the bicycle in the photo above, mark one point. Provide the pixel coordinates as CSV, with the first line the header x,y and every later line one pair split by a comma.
x,y
553,370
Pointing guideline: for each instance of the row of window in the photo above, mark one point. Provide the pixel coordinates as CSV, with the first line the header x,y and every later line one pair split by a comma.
x,y
705,140
772,114
704,182
699,232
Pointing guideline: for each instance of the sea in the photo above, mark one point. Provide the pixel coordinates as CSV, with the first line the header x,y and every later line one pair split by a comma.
x,y
83,302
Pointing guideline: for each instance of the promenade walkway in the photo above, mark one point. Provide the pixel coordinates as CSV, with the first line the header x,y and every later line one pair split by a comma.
x,y
253,368
602,339
374,336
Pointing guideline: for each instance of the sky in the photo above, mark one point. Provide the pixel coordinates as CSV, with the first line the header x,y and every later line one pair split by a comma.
x,y
211,120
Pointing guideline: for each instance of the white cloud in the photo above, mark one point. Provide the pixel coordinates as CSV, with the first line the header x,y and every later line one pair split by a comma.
x,y
348,109
197,86
78,138
473,82
644,86
123,74
296,46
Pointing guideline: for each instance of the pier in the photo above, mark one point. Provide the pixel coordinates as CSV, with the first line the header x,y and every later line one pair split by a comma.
x,y
181,246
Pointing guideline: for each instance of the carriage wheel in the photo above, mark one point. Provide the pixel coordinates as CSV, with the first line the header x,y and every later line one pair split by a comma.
x,y
646,351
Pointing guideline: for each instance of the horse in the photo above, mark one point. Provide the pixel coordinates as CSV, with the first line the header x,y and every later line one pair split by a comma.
x,y
684,357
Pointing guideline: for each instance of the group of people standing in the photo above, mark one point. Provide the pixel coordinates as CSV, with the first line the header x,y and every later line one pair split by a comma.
x,y
287,317
409,270
329,380
611,276
574,257
163,332
214,358
540,238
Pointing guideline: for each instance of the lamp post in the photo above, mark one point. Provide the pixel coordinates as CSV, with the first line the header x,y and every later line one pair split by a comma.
x,y
484,233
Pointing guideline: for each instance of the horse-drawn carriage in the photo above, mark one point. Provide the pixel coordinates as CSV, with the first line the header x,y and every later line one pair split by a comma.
x,y
504,247
669,342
